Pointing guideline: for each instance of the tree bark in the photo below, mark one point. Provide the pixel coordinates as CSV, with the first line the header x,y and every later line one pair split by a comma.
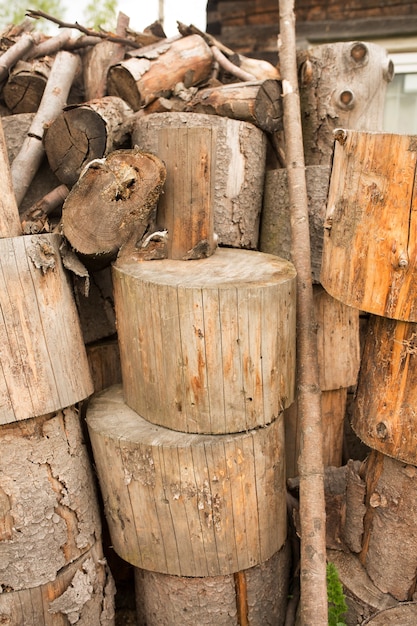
x,y
312,503
256,102
113,201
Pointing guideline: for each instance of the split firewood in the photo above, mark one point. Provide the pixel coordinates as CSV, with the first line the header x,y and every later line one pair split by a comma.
x,y
98,60
24,88
16,52
113,202
84,132
140,81
35,219
26,163
256,102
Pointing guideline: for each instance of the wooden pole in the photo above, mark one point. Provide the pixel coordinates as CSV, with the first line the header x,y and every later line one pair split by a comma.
x,y
312,504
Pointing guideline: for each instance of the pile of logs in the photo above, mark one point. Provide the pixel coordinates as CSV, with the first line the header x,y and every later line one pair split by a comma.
x,y
153,171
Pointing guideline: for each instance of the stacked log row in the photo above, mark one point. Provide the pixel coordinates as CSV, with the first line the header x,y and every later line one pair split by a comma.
x,y
194,436
341,84
51,569
369,263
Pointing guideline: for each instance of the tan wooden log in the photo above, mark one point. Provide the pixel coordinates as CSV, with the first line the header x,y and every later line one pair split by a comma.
x,y
44,365
370,243
333,407
27,162
25,85
275,229
341,85
186,208
256,102
162,600
82,593
384,414
214,340
113,201
389,552
185,504
141,79
240,169
83,132
10,225
16,52
49,513
363,597
405,613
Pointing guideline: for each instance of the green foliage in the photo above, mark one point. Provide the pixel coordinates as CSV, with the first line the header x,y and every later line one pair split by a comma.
x,y
336,600
101,14
14,12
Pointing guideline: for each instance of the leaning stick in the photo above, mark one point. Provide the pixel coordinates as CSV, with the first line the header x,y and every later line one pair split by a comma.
x,y
9,215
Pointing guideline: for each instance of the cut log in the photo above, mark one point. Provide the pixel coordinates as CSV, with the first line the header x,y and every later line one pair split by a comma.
x,y
143,78
240,168
384,415
275,230
49,514
256,102
404,614
82,593
342,85
188,505
26,163
370,243
44,365
389,552
215,340
85,132
363,598
162,600
25,86
113,201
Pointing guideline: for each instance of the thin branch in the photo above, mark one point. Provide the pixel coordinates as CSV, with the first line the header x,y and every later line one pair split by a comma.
x,y
140,39
230,67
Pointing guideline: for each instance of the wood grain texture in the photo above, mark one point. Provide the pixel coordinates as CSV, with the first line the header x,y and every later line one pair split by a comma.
x,y
239,160
370,242
188,504
209,345
49,515
44,366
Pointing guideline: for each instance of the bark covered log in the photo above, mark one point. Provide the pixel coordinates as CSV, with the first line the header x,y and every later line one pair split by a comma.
x,y
113,201
139,80
81,133
25,86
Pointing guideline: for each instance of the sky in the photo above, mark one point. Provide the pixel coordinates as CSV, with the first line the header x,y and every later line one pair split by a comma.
x,y
143,12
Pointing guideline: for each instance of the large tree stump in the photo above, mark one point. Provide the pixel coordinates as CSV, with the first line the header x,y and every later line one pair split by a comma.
x,y
370,243
44,364
150,73
48,512
85,132
82,593
183,504
163,600
240,161
214,340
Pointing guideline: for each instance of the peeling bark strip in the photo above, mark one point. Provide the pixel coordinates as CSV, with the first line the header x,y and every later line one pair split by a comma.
x,y
44,364
215,340
113,201
163,599
370,242
188,505
140,81
82,594
48,487
85,132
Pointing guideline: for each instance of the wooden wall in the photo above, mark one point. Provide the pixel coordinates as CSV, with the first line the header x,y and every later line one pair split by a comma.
x,y
251,26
